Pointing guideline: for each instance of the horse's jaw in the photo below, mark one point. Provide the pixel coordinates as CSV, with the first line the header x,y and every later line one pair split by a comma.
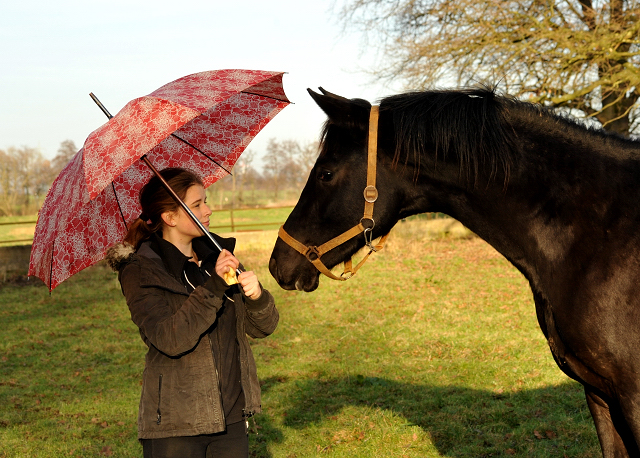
x,y
300,279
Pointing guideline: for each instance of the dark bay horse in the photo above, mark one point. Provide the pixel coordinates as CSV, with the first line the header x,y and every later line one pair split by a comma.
x,y
559,200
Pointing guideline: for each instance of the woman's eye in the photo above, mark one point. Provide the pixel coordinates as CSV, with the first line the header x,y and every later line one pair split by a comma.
x,y
325,175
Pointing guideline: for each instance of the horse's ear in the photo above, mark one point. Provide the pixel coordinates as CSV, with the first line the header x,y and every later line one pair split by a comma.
x,y
331,94
342,111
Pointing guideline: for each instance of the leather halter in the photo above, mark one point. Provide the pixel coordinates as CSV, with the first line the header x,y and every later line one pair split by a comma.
x,y
314,253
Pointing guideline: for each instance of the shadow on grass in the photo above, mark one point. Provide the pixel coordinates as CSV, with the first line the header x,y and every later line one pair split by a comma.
x,y
551,421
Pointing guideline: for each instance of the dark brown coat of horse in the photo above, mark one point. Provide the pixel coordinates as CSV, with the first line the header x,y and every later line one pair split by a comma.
x,y
559,200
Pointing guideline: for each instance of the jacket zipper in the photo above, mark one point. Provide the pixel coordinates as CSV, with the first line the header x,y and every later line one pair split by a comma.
x,y
215,368
159,399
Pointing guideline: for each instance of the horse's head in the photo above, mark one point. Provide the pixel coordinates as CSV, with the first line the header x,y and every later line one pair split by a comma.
x,y
332,201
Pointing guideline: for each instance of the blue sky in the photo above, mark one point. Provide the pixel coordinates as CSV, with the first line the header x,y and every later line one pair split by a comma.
x,y
55,52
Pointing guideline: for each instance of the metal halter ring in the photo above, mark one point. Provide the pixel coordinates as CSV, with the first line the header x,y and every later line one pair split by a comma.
x,y
373,223
312,253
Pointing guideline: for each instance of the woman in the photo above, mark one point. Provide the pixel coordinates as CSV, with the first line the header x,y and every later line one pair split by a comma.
x,y
200,383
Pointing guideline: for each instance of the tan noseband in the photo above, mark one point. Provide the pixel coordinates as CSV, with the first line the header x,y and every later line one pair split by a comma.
x,y
314,253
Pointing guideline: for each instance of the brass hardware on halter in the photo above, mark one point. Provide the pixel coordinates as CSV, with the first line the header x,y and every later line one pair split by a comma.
x,y
313,253
370,194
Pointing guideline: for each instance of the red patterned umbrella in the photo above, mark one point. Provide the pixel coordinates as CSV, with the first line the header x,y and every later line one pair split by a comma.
x,y
202,122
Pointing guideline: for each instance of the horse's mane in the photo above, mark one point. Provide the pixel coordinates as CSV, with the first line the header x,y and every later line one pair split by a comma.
x,y
470,126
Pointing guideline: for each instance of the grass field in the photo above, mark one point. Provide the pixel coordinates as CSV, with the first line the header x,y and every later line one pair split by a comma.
x,y
432,350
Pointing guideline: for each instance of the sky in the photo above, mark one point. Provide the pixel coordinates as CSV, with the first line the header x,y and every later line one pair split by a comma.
x,y
54,53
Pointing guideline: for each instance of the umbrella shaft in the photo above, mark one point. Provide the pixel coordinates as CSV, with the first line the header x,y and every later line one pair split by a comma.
x,y
100,105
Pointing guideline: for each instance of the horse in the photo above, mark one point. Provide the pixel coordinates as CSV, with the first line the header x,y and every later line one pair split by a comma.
x,y
558,198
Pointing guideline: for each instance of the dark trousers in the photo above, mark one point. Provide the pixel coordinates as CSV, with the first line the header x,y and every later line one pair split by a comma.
x,y
232,443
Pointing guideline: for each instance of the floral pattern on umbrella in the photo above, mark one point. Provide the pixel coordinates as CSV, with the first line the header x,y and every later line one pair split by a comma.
x,y
95,197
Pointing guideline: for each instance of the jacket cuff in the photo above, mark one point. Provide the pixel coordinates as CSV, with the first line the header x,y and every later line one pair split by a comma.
x,y
260,303
216,285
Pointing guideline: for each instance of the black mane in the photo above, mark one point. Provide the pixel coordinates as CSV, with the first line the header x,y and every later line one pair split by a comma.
x,y
470,126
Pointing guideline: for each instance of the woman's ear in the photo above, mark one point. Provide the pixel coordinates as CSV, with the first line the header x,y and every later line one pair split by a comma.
x,y
168,218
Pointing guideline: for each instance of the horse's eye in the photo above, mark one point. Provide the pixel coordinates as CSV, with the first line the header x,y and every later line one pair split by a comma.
x,y
325,175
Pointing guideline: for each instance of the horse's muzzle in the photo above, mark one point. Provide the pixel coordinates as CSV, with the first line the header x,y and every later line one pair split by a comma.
x,y
300,278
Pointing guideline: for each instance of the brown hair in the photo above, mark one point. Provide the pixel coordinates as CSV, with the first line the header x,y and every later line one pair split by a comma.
x,y
156,200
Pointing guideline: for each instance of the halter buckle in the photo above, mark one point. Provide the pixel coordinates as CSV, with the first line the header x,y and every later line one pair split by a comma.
x,y
370,194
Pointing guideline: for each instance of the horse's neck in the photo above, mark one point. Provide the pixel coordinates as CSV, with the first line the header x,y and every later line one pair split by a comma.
x,y
557,212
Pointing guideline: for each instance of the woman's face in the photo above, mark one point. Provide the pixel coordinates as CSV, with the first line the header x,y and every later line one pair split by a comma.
x,y
181,223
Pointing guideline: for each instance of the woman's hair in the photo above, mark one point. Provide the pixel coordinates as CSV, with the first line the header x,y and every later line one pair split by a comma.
x,y
156,200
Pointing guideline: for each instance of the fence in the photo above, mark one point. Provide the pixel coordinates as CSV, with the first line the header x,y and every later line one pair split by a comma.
x,y
227,220
6,233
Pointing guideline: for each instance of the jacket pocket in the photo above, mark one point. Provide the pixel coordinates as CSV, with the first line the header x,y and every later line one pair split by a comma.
x,y
159,419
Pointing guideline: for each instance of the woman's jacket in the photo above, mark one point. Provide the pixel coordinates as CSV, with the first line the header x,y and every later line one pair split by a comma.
x,y
180,385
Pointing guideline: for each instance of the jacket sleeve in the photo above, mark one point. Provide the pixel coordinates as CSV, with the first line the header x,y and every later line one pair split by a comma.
x,y
262,315
172,333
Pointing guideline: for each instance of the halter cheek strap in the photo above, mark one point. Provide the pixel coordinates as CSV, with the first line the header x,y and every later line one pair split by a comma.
x,y
314,253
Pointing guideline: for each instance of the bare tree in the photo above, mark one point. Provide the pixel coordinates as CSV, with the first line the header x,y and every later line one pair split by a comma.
x,y
577,54
287,163
66,152
278,162
308,153
8,183
244,175
24,180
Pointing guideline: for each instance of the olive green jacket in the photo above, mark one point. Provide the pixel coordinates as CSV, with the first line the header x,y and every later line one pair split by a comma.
x,y
180,387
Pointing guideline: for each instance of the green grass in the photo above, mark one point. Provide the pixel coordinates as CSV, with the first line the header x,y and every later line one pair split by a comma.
x,y
432,350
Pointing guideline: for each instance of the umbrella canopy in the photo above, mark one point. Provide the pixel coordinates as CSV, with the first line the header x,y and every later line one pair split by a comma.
x,y
201,122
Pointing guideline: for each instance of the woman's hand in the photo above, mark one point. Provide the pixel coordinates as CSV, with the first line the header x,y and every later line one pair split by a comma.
x,y
250,284
226,260
248,280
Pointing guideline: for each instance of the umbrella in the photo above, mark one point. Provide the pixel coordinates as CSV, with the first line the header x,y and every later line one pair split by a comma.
x,y
202,122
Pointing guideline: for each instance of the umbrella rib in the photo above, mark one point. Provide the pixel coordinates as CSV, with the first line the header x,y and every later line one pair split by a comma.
x,y
266,96
53,247
115,194
201,152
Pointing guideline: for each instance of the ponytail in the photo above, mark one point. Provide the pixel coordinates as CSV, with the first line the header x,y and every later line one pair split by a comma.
x,y
139,231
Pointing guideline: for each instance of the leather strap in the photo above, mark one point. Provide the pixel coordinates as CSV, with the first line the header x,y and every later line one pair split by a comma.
x,y
370,192
313,253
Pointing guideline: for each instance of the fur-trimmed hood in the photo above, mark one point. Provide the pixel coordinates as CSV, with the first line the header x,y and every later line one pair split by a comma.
x,y
119,255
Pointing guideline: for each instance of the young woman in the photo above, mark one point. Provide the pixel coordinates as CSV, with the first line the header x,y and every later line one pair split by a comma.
x,y
199,383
